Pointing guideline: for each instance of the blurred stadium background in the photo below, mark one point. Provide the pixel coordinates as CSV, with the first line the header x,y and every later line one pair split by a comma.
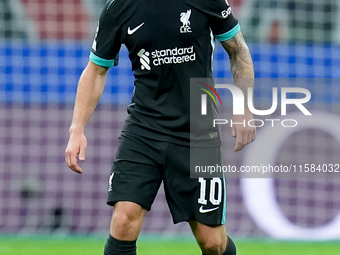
x,y
44,46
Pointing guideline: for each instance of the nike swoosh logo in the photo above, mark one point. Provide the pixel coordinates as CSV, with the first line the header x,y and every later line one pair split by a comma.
x,y
202,210
130,32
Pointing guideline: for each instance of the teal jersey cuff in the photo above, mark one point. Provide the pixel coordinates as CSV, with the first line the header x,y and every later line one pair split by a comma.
x,y
230,34
102,62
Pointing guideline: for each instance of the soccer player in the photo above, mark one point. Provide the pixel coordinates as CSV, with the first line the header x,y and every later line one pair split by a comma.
x,y
169,42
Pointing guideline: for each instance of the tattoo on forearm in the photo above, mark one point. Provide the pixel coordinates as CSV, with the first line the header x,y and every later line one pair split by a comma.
x,y
241,63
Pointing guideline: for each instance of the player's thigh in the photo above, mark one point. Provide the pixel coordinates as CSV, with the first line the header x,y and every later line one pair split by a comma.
x,y
127,220
209,238
135,175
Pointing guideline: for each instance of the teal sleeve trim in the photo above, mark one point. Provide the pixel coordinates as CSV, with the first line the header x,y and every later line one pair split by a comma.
x,y
230,34
102,62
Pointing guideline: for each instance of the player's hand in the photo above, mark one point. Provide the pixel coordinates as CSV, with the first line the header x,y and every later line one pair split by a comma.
x,y
244,134
76,146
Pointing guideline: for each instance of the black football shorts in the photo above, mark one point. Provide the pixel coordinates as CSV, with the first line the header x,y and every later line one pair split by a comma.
x,y
140,166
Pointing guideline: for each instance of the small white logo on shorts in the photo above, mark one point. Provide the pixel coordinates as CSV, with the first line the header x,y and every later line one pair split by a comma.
x,y
110,182
202,210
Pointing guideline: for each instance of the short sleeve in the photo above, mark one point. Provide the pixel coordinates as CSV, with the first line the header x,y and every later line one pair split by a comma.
x,y
107,43
221,20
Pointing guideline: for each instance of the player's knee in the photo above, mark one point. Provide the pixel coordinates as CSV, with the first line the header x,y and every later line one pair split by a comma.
x,y
128,212
122,219
123,227
126,221
213,246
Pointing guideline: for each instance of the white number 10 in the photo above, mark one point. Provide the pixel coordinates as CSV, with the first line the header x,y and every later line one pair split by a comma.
x,y
212,196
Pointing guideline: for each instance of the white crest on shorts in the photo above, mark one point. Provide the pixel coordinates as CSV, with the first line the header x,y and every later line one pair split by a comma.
x,y
110,182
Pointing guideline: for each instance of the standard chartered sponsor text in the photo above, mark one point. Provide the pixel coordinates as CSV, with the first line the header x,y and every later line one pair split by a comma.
x,y
173,56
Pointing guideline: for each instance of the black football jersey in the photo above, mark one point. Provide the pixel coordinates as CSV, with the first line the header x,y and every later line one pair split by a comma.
x,y
169,42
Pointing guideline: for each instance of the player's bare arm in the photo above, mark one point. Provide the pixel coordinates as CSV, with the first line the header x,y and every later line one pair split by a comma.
x,y
242,69
90,89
